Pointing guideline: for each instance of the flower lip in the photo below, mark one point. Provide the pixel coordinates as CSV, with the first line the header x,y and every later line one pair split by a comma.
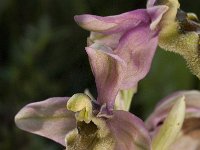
x,y
92,135
86,135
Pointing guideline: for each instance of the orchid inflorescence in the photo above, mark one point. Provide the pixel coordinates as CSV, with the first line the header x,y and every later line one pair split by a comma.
x,y
120,50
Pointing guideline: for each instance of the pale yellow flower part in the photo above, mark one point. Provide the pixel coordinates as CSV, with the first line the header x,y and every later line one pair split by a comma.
x,y
180,34
171,128
81,104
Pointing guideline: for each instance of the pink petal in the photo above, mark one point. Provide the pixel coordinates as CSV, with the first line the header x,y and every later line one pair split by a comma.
x,y
107,70
137,48
113,24
48,118
156,13
129,132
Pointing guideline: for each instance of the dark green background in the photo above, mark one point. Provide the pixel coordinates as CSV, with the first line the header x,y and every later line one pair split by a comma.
x,y
42,55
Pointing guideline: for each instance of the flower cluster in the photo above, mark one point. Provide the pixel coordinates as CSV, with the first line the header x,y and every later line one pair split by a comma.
x,y
120,50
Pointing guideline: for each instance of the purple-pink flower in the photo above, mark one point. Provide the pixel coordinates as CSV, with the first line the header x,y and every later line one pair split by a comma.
x,y
51,119
120,50
119,130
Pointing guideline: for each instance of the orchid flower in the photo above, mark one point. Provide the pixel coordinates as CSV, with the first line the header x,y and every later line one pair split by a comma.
x,y
180,33
84,125
121,48
131,40
189,136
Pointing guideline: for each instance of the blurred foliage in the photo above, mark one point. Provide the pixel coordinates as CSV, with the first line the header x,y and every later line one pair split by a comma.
x,y
42,55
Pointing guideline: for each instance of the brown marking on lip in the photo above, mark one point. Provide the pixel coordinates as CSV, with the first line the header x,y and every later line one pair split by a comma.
x,y
187,23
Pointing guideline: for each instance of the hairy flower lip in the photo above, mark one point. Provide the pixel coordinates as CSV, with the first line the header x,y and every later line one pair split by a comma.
x,y
180,33
90,136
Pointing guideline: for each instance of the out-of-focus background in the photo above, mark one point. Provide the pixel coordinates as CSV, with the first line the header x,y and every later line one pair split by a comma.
x,y
42,55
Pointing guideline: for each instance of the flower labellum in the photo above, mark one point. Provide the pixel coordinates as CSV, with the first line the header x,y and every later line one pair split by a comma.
x,y
180,33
